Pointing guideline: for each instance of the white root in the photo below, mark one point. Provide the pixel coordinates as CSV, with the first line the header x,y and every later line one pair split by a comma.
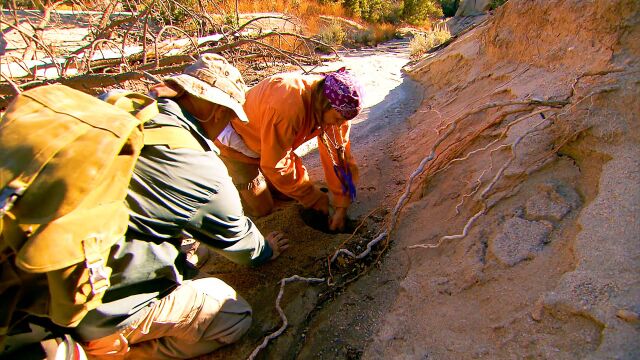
x,y
285,322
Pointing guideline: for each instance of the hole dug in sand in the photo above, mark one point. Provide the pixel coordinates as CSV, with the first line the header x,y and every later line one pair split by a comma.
x,y
319,221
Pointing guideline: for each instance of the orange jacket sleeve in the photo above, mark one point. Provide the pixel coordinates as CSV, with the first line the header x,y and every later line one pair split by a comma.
x,y
281,165
341,133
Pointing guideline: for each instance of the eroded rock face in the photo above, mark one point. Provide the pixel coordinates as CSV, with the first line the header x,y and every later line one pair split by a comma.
x,y
566,238
552,202
520,240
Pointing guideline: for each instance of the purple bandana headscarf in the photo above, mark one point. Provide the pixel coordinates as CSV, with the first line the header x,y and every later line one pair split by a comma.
x,y
344,93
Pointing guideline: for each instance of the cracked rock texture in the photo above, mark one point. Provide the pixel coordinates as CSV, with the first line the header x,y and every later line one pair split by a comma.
x,y
520,240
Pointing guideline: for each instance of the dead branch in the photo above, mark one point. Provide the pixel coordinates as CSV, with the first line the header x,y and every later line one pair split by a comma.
x,y
88,82
280,52
14,12
20,62
251,21
30,51
14,86
37,41
145,15
97,44
105,32
195,45
104,20
139,26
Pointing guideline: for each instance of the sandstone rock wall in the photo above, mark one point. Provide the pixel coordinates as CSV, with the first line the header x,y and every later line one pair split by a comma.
x,y
534,193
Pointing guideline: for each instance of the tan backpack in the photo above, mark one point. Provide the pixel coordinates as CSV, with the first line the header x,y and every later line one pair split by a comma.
x,y
66,159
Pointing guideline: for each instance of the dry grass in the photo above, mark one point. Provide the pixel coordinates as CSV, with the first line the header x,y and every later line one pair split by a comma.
x,y
309,13
303,9
332,34
384,31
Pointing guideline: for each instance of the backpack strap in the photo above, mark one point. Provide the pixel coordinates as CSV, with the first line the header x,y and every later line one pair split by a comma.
x,y
98,273
142,107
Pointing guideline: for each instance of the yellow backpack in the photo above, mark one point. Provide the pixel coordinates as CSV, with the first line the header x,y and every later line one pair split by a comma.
x,y
66,159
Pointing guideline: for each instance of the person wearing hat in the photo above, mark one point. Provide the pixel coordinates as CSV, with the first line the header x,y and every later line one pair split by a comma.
x,y
285,111
154,308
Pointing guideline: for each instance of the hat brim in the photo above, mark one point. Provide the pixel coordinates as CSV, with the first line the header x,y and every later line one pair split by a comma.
x,y
204,91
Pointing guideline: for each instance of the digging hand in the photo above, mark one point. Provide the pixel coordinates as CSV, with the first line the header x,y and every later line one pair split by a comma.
x,y
338,220
277,242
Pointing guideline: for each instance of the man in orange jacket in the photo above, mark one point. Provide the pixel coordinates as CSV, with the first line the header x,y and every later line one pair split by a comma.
x,y
285,111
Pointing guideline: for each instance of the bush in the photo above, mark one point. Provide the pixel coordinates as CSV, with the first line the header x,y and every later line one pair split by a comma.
x,y
353,7
364,37
394,14
449,7
333,34
377,11
422,43
384,32
418,12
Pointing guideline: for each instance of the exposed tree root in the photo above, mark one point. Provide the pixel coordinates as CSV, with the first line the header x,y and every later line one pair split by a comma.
x,y
487,191
285,323
421,167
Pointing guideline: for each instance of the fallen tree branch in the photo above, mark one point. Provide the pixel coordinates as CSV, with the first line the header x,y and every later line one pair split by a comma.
x,y
35,40
87,82
98,44
13,85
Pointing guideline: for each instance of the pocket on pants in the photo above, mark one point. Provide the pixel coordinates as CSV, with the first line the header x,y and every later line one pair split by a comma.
x,y
113,346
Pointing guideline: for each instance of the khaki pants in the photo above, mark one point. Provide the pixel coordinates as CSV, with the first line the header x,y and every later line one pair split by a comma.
x,y
252,186
195,319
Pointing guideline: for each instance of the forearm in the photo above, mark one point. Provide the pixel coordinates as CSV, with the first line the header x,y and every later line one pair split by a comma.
x,y
221,224
247,247
252,250
341,191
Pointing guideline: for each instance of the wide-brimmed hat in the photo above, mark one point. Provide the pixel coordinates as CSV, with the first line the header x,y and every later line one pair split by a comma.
x,y
213,79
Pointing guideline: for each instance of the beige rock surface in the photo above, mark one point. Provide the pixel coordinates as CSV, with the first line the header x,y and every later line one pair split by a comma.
x,y
564,302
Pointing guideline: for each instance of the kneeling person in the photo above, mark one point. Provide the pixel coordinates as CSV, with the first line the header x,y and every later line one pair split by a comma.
x,y
176,192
